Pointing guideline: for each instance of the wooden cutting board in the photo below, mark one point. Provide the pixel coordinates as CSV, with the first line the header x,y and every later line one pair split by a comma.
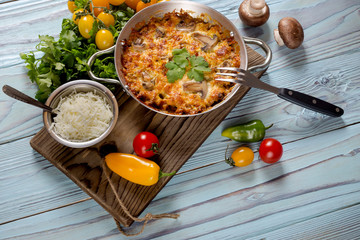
x,y
179,139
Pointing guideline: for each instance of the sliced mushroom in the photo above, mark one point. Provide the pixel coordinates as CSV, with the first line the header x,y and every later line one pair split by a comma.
x,y
254,12
196,87
208,41
226,63
289,33
148,82
149,86
160,32
186,26
139,44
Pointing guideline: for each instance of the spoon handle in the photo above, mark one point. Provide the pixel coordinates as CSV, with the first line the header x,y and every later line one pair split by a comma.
x,y
12,92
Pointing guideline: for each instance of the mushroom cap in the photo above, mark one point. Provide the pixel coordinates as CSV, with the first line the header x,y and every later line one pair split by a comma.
x,y
196,87
139,44
186,26
253,20
209,42
291,32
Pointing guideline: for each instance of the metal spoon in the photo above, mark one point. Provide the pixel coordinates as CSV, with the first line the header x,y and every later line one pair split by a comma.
x,y
12,92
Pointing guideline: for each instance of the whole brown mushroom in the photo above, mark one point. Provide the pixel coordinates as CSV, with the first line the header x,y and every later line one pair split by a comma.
x,y
289,33
254,12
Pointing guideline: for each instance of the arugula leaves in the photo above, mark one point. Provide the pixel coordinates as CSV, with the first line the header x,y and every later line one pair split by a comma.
x,y
177,67
66,59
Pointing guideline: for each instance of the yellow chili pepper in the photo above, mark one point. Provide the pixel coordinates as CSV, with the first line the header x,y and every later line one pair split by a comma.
x,y
135,169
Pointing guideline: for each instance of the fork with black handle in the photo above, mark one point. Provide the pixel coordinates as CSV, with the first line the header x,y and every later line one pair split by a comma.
x,y
244,77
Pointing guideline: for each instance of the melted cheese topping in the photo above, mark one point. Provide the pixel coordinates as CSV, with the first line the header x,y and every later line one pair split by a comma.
x,y
81,116
149,48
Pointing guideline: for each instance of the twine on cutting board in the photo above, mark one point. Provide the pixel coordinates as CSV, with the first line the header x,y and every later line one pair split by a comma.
x,y
144,219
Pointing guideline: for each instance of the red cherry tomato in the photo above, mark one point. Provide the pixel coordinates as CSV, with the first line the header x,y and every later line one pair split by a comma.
x,y
270,150
146,144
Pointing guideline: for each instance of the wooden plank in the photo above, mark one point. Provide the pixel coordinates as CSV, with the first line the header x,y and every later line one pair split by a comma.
x,y
30,184
332,32
178,140
18,37
289,125
219,201
340,224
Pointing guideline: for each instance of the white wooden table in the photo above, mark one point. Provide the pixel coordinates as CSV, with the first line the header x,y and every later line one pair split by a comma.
x,y
312,193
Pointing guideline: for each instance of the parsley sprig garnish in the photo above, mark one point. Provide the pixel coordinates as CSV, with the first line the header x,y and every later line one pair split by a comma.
x,y
181,60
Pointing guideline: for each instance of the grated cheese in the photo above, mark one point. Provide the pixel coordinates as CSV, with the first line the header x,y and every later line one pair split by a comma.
x,y
81,116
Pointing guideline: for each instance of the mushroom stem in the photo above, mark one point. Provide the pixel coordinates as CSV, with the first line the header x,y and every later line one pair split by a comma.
x,y
257,8
278,38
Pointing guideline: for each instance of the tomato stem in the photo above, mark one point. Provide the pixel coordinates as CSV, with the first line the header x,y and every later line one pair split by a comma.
x,y
154,148
229,160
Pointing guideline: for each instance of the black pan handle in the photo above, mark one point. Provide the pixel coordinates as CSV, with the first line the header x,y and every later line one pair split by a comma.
x,y
310,102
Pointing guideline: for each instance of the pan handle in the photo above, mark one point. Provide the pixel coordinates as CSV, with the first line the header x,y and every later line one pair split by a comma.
x,y
267,50
91,61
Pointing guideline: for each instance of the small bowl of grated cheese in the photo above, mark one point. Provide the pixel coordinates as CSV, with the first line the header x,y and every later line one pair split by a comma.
x,y
85,112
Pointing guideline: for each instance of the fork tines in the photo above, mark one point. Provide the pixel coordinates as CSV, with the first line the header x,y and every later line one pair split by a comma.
x,y
231,69
238,74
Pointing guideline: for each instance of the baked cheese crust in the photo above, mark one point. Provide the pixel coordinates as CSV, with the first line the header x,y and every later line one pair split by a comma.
x,y
149,48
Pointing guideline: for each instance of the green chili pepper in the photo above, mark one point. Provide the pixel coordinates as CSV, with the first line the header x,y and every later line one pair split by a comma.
x,y
252,131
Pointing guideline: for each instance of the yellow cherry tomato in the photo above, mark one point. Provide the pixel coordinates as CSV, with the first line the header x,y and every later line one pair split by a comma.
x,y
99,6
107,19
141,5
104,39
85,25
241,157
132,3
71,6
116,2
76,19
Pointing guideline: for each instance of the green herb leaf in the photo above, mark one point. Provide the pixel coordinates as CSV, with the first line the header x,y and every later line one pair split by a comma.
x,y
177,67
196,75
171,65
175,74
202,68
30,61
181,61
183,51
198,61
81,3
199,66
